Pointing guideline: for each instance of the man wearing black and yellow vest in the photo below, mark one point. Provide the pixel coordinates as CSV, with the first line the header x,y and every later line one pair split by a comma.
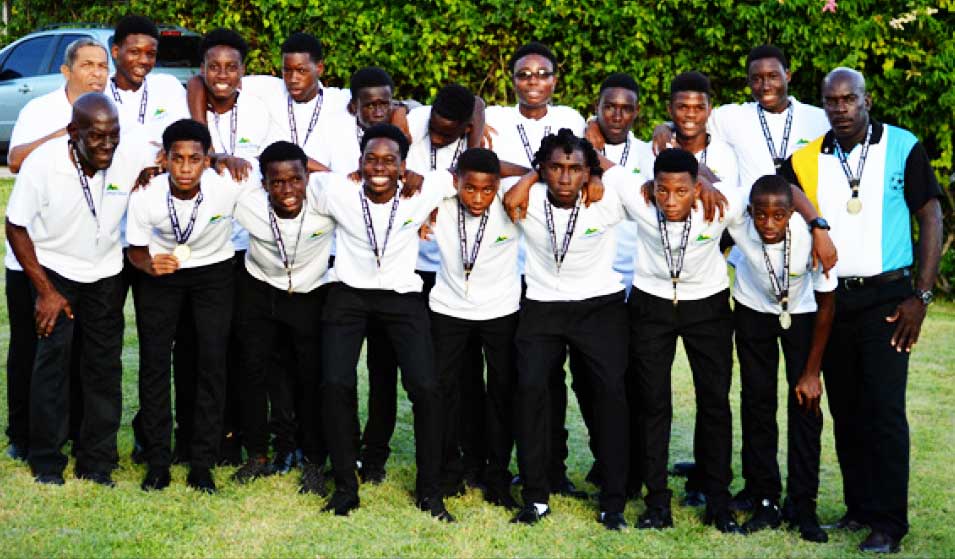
x,y
868,179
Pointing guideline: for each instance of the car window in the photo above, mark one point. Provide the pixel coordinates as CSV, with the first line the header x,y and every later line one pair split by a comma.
x,y
29,58
60,53
178,51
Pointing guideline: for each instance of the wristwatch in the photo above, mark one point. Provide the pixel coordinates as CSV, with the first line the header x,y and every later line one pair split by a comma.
x,y
819,223
925,296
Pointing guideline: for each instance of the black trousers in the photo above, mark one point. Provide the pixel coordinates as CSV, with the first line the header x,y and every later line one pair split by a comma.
x,y
265,313
20,352
452,339
286,394
706,327
98,310
231,415
597,328
345,322
866,378
208,290
758,336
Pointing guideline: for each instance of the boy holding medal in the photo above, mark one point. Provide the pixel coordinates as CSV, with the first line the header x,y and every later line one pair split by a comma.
x,y
777,295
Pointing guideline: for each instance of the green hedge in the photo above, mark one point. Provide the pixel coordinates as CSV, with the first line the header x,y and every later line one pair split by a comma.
x,y
906,49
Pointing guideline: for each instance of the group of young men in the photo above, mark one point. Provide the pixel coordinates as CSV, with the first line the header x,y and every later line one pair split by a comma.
x,y
267,227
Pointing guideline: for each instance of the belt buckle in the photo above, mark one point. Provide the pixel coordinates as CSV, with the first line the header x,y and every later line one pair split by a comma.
x,y
854,283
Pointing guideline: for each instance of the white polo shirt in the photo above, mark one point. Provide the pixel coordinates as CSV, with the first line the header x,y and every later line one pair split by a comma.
x,y
704,269
150,225
340,198
717,155
48,200
632,159
508,121
752,286
738,125
272,92
307,238
494,286
165,104
340,151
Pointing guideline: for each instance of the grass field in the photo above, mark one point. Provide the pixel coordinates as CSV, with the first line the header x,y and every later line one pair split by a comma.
x,y
268,517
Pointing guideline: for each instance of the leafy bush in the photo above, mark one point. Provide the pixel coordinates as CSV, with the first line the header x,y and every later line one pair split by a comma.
x,y
906,49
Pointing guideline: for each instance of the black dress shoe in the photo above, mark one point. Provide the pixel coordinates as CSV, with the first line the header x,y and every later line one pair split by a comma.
x,y
372,473
529,515
156,479
722,520
765,516
655,518
567,488
101,478
313,480
200,479
742,501
256,467
613,520
880,542
847,522
809,528
683,469
435,506
341,503
501,497
694,499
283,462
17,452
49,479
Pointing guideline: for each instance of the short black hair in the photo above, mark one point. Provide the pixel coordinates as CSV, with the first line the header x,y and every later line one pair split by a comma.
x,y
767,51
676,160
281,151
454,102
479,160
186,130
622,80
532,48
771,185
225,38
370,76
388,131
565,140
694,81
134,25
303,42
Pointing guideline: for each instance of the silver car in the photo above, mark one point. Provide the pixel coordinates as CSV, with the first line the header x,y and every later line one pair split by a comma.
x,y
30,66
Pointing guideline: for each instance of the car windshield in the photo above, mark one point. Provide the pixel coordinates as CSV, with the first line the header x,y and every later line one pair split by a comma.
x,y
178,51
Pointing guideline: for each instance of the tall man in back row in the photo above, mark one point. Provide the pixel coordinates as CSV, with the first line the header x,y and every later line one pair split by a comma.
x,y
868,179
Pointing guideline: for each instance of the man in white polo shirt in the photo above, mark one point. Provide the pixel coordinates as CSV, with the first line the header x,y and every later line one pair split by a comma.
x,y
63,221
44,118
178,232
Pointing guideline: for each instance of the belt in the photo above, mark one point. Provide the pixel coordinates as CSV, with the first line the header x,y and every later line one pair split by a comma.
x,y
858,282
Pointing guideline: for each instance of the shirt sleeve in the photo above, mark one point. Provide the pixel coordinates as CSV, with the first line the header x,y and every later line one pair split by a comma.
x,y
27,199
627,188
734,211
24,129
138,228
823,284
921,185
318,186
717,123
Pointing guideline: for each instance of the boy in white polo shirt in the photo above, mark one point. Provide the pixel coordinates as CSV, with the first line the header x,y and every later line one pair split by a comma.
x,y
179,230
474,302
777,295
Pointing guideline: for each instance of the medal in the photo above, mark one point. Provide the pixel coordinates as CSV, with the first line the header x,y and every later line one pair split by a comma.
x,y
182,252
466,259
781,285
370,227
559,255
287,263
854,205
675,265
778,157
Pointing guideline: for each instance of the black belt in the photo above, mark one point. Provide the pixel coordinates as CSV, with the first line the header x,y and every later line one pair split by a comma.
x,y
858,282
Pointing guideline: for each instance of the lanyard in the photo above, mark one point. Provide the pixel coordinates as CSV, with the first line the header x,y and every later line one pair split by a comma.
x,y
559,255
454,160
280,243
844,160
233,126
370,227
359,133
462,236
182,236
624,155
311,123
675,265
142,100
527,143
85,184
780,285
779,156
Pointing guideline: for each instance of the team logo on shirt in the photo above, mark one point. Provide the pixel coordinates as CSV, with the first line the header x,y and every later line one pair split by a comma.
x,y
502,239
897,182
592,232
244,140
216,219
802,142
703,237
636,171
407,222
112,188
159,112
316,234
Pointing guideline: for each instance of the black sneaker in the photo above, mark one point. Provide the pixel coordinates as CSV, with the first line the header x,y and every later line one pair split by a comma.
x,y
156,479
283,462
528,515
723,520
372,473
742,501
567,488
49,479
655,518
765,516
847,522
256,467
694,499
501,497
100,478
200,479
809,528
435,506
613,521
313,480
341,503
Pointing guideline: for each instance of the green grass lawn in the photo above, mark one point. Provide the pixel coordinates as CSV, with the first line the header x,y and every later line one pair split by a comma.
x,y
268,517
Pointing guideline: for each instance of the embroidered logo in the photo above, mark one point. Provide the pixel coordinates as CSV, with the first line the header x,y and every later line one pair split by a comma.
x,y
112,188
407,222
159,112
636,171
591,231
802,142
216,219
703,237
244,140
316,234
502,239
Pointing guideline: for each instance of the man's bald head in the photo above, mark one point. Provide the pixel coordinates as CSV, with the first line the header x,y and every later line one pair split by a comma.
x,y
94,130
93,106
847,105
854,78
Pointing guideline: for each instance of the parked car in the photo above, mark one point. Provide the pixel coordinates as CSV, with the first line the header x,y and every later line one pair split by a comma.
x,y
30,66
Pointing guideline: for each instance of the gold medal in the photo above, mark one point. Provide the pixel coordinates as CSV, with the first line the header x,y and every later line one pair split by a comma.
x,y
785,320
854,205
182,253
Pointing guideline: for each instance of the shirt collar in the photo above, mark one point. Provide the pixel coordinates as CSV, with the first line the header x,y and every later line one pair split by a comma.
x,y
829,142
